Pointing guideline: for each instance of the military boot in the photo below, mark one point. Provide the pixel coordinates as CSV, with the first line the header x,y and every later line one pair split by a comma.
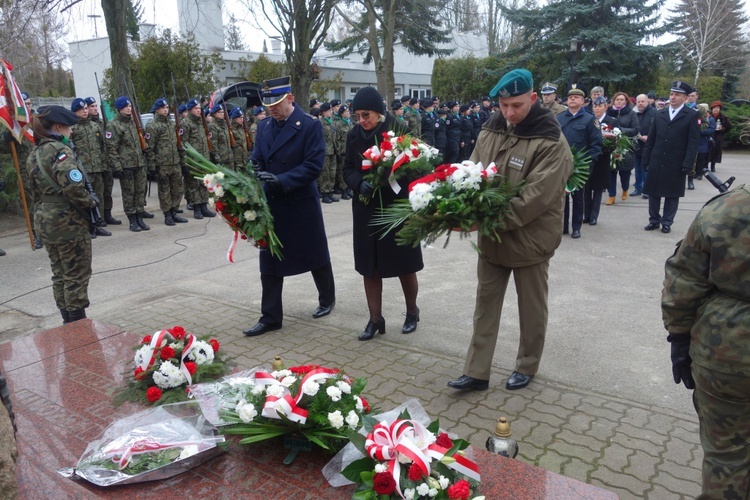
x,y
177,218
141,224
197,214
2,252
109,219
77,314
205,211
168,220
133,224
38,243
102,232
147,215
65,316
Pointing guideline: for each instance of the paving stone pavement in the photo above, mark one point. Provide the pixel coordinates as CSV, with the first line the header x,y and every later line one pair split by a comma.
x,y
631,449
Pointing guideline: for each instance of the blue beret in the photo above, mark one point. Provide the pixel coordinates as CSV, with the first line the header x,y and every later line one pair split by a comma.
x,y
216,108
335,102
325,106
258,110
159,103
206,111
514,83
121,102
89,100
181,108
77,104
57,114
235,112
191,104
600,100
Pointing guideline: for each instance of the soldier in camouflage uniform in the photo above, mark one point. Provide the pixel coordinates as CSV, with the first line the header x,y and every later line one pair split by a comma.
x,y
327,177
240,153
343,125
125,156
259,114
164,161
108,179
412,116
219,135
194,134
62,210
706,310
87,142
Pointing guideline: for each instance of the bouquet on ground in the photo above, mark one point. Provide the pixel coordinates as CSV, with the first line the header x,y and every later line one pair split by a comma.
x,y
581,170
398,157
406,459
462,197
153,444
616,142
167,362
322,404
240,200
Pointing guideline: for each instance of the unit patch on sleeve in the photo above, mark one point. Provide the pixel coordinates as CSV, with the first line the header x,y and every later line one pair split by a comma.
x,y
75,175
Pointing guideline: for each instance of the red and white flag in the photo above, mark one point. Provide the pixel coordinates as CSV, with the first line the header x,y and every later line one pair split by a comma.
x,y
14,115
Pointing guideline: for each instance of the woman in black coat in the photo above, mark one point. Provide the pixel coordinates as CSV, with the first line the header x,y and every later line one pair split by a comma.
x,y
599,176
376,258
627,122
723,125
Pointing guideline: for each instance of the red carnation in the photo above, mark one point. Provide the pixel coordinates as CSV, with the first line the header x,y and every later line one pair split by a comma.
x,y
138,373
444,441
214,344
146,339
385,136
153,394
415,472
386,146
459,491
220,206
365,404
167,353
191,367
178,332
383,483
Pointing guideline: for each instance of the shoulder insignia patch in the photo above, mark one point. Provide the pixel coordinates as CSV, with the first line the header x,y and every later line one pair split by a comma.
x,y
108,135
75,175
61,157
147,136
210,135
181,131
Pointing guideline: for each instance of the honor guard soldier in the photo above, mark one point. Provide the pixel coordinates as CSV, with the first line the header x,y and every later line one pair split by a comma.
x,y
327,177
413,117
342,130
397,110
441,138
126,157
453,133
87,141
108,180
219,135
194,134
259,114
428,118
240,151
549,96
164,161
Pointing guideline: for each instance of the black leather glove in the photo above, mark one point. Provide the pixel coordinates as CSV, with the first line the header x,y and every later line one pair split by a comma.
x,y
268,178
681,360
127,173
686,170
366,189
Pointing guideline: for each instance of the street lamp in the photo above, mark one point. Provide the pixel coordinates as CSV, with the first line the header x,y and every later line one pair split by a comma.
x,y
574,44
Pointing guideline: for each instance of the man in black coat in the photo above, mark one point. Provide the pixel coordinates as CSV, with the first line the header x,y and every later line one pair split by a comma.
x,y
669,155
289,153
646,113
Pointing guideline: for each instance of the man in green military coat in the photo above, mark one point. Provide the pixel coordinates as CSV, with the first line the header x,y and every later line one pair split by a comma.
x,y
194,134
219,135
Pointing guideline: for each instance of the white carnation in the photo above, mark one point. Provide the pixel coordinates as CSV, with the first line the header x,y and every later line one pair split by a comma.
x,y
380,468
423,489
444,482
334,393
288,381
358,403
409,494
242,199
219,191
352,419
258,389
250,215
142,356
219,175
336,419
168,376
310,388
387,154
246,412
432,493
345,388
421,196
276,390
279,374
201,352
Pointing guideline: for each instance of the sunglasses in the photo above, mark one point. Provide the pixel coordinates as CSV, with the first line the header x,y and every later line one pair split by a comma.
x,y
363,116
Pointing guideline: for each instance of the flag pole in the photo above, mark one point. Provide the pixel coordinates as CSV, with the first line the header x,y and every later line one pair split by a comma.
x,y
22,193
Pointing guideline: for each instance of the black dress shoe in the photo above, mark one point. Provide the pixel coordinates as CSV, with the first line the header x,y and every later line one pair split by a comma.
x,y
466,383
518,381
652,226
666,229
592,222
260,329
323,311
410,323
372,328
575,234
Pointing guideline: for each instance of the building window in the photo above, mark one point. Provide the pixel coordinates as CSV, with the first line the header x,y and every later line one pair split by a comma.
x,y
354,90
421,93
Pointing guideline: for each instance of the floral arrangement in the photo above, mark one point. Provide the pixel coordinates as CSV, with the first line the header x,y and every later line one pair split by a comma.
x,y
461,197
240,200
397,157
167,362
320,403
405,459
616,142
581,170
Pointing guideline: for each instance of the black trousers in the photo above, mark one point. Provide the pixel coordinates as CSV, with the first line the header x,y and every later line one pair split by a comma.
x,y
670,210
273,286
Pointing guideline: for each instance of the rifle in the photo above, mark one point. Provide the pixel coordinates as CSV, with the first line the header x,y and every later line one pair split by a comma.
x,y
248,141
101,102
178,129
136,114
205,125
232,142
723,187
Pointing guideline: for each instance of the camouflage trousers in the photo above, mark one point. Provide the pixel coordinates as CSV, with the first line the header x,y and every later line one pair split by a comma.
x,y
723,405
71,272
195,191
133,191
328,175
97,182
108,182
170,187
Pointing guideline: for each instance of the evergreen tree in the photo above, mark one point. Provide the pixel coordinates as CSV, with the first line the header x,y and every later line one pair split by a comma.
x,y
613,35
133,17
233,35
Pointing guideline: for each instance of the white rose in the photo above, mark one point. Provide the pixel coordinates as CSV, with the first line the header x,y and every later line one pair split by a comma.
x,y
311,388
250,215
334,393
336,419
352,419
345,388
246,412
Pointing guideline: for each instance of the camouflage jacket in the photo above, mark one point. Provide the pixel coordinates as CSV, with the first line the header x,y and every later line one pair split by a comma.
x,y
342,130
88,141
240,153
707,286
60,211
193,134
162,142
330,134
412,116
123,144
219,135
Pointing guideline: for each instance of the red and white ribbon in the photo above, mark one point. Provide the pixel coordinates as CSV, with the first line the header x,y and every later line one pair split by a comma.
x,y
122,456
230,250
287,404
373,154
158,341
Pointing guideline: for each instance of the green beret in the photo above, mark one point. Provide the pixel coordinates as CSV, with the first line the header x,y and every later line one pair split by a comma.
x,y
514,83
